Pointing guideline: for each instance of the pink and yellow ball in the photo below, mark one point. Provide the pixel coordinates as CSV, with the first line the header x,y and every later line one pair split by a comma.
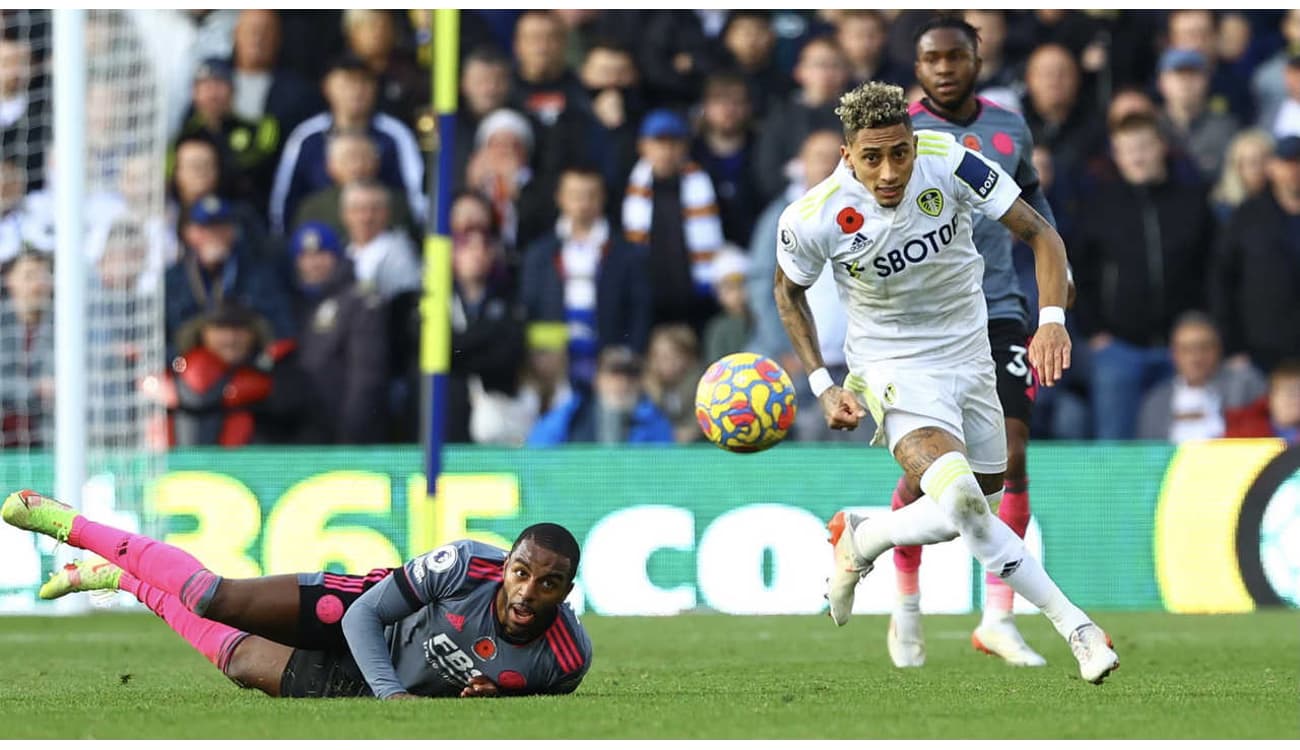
x,y
745,403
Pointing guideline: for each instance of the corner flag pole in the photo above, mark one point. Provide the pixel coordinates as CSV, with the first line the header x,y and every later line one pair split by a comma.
x,y
435,305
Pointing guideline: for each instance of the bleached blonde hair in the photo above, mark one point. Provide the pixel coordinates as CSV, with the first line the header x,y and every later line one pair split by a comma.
x,y
873,105
1231,190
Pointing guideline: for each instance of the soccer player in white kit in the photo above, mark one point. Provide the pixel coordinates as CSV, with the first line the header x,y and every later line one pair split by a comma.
x,y
894,220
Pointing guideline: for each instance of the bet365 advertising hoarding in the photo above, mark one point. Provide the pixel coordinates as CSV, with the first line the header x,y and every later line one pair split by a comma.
x,y
1205,527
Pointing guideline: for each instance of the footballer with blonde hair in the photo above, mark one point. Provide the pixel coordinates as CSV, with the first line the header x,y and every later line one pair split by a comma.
x,y
894,221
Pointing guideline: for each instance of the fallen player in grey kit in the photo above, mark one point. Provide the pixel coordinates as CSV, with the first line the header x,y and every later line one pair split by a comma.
x,y
466,619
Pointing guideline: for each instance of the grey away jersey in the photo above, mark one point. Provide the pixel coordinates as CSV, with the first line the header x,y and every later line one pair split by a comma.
x,y
454,634
1002,136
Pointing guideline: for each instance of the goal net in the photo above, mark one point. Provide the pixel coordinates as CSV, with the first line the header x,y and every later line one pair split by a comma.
x,y
123,243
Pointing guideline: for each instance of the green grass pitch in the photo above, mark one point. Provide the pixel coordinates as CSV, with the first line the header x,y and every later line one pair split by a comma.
x,y
114,675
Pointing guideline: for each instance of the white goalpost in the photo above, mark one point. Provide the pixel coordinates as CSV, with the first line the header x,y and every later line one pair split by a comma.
x,y
82,207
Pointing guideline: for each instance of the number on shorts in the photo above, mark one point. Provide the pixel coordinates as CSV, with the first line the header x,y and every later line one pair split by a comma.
x,y
1017,366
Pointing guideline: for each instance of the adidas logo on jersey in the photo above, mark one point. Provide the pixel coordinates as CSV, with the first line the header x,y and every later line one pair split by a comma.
x,y
859,242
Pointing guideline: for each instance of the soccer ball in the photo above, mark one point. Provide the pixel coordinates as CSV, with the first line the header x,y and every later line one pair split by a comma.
x,y
745,403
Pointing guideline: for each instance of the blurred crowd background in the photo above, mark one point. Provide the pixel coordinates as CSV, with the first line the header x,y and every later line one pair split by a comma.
x,y
617,180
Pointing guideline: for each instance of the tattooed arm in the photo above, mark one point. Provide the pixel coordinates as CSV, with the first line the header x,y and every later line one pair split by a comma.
x,y
842,410
1049,251
796,316
1049,351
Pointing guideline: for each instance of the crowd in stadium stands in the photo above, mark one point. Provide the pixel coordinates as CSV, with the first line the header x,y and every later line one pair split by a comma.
x,y
617,178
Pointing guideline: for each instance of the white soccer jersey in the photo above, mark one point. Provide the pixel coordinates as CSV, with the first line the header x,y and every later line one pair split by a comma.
x,y
909,276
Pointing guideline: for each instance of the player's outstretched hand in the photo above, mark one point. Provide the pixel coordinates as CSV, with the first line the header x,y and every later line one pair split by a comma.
x,y
843,412
479,687
1049,352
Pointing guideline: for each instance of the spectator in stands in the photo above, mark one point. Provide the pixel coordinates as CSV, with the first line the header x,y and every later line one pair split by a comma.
x,y
613,85
543,85
217,266
671,375
500,419
1191,405
670,207
231,385
725,147
1129,101
264,89
197,172
1139,263
342,341
862,35
125,289
1057,117
1287,120
484,88
585,280
499,169
372,35
1184,81
13,218
548,92
25,120
487,330
383,258
818,157
1197,29
248,148
616,411
730,330
998,80
351,157
677,51
1256,276
177,40
350,88
27,351
749,43
822,75
586,27
1268,83
1276,414
1245,172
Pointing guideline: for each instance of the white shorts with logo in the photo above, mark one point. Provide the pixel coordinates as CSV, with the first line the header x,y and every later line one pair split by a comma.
x,y
962,400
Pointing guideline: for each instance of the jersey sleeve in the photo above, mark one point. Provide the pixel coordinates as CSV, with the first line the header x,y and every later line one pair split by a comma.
x,y
981,183
439,573
572,650
798,252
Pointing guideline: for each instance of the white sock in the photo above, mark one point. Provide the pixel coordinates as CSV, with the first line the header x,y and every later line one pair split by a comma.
x,y
907,611
993,543
921,522
1032,582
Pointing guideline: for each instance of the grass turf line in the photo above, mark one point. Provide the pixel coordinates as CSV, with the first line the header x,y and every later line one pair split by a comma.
x,y
118,675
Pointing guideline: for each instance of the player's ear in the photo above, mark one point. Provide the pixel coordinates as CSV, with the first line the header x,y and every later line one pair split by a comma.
x,y
567,590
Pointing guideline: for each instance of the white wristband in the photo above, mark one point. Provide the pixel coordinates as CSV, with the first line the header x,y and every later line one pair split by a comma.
x,y
819,380
1051,314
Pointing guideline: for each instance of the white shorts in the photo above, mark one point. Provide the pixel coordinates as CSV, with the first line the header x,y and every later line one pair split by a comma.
x,y
962,400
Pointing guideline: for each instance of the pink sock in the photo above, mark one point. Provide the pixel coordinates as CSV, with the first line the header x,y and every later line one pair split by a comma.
x,y
160,565
907,560
1014,511
215,641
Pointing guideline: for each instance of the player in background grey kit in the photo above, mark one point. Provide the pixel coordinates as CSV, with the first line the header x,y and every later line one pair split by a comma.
x,y
466,619
947,66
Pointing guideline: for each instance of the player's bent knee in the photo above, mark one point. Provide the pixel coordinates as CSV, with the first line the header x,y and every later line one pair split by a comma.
x,y
258,664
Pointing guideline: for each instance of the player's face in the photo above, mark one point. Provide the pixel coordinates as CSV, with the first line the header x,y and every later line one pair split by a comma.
x,y
882,160
946,67
536,582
